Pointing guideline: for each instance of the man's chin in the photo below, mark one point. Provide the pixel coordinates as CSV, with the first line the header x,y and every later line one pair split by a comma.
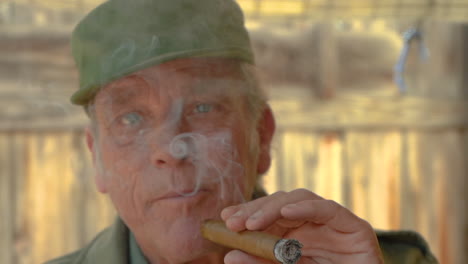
x,y
183,242
189,250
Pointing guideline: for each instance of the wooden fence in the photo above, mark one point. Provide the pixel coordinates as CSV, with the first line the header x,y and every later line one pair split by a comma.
x,y
395,162
399,162
48,202
396,178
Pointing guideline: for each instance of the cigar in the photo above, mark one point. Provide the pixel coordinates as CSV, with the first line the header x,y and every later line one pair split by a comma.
x,y
260,244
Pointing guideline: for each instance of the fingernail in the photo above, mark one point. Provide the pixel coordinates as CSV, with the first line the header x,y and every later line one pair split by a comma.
x,y
257,215
238,213
226,212
231,257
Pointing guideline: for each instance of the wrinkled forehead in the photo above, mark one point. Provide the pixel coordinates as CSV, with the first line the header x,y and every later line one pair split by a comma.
x,y
183,77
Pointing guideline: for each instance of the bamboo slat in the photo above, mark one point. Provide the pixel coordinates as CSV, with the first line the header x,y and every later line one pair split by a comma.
x,y
329,175
295,161
373,168
95,209
270,181
6,202
48,190
19,157
437,177
408,213
464,198
328,61
311,161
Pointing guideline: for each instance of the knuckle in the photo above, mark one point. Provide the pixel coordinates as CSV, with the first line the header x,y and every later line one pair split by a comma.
x,y
302,192
333,203
279,193
336,206
244,208
278,196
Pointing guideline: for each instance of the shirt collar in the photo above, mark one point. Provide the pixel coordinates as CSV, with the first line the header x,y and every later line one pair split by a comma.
x,y
136,255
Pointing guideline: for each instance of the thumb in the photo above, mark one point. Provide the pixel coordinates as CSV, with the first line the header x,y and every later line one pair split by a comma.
x,y
240,257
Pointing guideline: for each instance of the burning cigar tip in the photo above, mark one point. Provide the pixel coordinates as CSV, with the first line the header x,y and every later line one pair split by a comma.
x,y
260,244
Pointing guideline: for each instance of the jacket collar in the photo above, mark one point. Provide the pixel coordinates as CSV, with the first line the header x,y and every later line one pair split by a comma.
x,y
111,247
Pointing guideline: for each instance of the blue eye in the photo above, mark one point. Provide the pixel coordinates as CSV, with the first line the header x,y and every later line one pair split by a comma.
x,y
203,108
131,119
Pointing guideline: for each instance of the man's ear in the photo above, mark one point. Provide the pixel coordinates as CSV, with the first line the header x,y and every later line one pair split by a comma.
x,y
266,129
98,177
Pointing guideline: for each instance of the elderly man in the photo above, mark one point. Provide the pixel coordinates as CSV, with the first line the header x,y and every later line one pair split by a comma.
x,y
180,132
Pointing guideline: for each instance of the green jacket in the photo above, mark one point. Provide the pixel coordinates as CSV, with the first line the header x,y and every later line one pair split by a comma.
x,y
111,246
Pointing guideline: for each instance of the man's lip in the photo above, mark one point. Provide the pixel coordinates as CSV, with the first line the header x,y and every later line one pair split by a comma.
x,y
181,194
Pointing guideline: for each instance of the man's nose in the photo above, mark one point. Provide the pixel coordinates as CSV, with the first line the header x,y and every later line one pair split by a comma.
x,y
169,150
163,158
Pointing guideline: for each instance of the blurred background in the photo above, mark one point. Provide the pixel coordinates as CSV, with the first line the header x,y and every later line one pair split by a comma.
x,y
370,97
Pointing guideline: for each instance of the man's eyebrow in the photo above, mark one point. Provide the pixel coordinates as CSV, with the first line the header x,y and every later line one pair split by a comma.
x,y
121,98
217,85
122,93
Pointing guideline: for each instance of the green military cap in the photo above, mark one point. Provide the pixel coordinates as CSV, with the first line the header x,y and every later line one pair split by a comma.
x,y
120,37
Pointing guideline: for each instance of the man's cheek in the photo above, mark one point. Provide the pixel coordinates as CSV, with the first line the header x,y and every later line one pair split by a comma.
x,y
223,156
132,155
120,168
210,159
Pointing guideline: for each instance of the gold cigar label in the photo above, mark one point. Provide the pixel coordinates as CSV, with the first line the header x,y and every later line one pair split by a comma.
x,y
260,244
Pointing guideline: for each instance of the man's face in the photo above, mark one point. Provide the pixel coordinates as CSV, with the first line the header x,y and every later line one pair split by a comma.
x,y
173,147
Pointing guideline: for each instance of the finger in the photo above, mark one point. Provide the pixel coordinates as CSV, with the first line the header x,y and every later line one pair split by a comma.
x,y
236,217
324,212
270,211
251,205
229,211
240,257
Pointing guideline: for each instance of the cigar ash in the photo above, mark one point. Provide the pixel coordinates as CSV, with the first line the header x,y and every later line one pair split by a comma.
x,y
288,251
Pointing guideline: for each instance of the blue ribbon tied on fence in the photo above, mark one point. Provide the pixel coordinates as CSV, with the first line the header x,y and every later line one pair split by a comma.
x,y
411,35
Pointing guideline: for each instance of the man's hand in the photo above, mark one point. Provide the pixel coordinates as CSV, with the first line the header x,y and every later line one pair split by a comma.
x,y
329,232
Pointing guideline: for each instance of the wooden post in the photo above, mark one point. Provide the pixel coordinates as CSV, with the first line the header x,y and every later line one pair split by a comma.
x,y
464,69
6,202
464,93
328,67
